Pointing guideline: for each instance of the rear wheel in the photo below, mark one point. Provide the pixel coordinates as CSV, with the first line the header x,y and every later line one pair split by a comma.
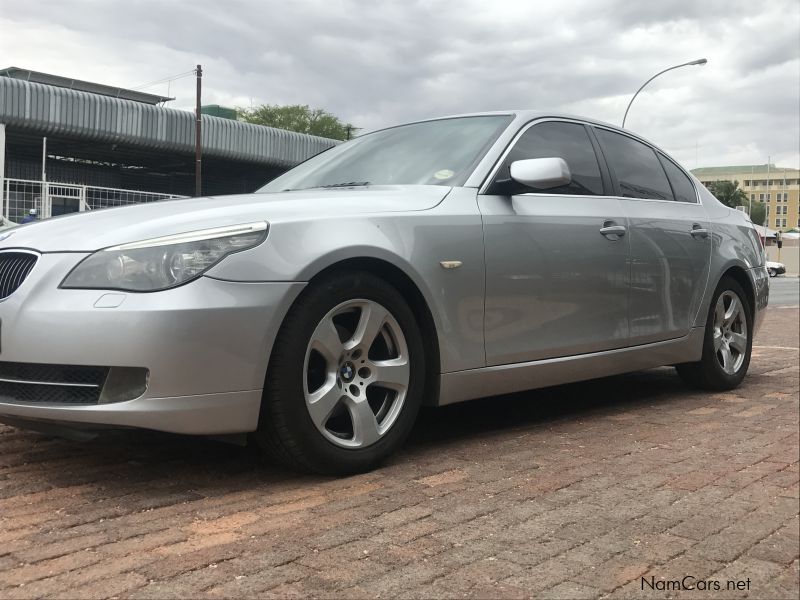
x,y
772,272
727,343
346,377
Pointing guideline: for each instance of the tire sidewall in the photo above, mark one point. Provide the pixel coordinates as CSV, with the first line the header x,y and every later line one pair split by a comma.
x,y
311,308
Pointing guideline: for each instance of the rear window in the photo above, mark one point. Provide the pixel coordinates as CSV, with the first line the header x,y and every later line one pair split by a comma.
x,y
682,186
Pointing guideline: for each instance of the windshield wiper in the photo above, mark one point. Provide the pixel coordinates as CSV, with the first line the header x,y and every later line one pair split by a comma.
x,y
346,184
330,185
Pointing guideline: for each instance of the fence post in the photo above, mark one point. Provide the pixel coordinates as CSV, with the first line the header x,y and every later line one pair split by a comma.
x,y
49,202
82,206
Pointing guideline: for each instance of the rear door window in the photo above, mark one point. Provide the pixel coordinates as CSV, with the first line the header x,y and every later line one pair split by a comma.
x,y
638,170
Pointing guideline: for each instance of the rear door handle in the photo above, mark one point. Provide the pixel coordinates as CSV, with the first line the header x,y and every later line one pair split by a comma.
x,y
610,228
698,231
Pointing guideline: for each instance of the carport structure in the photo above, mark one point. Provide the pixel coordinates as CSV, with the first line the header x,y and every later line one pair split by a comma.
x,y
68,145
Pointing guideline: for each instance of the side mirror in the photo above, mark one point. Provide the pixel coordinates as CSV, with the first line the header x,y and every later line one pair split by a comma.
x,y
541,173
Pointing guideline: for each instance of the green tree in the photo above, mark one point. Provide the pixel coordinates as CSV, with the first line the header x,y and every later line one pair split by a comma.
x,y
728,193
758,213
300,118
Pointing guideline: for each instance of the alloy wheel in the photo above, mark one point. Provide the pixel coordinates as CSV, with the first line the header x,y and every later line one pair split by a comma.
x,y
730,332
356,373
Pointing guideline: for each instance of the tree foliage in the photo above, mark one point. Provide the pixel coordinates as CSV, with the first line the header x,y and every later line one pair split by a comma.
x,y
728,193
758,214
300,118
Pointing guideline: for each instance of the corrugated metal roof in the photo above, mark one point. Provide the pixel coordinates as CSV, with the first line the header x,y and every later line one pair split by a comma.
x,y
49,110
81,85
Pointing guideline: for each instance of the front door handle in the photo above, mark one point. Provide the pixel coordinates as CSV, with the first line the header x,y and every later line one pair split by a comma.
x,y
612,231
698,231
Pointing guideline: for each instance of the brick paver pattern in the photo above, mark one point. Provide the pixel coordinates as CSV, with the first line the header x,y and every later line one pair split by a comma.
x,y
572,492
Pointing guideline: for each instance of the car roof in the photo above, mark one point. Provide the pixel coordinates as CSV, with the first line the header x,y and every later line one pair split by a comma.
x,y
526,115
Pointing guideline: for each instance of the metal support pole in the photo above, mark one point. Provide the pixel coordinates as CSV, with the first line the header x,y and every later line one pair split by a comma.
x,y
3,170
43,196
198,145
768,188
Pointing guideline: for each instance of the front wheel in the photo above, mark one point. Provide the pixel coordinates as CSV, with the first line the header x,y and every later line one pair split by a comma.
x,y
727,343
346,378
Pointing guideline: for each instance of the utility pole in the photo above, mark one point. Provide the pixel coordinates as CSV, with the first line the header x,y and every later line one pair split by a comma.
x,y
198,143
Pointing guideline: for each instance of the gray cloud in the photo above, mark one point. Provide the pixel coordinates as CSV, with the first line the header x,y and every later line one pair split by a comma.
x,y
378,63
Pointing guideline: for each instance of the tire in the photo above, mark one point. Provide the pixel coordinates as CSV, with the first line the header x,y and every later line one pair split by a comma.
x,y
322,386
722,343
772,272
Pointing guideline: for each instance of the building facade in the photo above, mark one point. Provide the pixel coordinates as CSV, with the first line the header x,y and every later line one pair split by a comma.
x,y
777,187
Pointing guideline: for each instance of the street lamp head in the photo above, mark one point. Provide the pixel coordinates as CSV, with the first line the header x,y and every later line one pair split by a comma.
x,y
699,61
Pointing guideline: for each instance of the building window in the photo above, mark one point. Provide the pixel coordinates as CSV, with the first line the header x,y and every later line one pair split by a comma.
x,y
746,183
785,209
777,222
761,197
767,213
784,222
752,197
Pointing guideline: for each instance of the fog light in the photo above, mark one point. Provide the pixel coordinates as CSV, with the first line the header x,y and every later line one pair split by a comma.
x,y
124,383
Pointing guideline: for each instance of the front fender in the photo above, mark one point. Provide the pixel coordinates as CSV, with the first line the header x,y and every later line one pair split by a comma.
x,y
414,242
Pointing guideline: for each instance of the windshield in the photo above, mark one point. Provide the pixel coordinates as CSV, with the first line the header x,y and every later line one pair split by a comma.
x,y
441,152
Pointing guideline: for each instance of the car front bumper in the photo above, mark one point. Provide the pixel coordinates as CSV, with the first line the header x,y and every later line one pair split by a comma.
x,y
205,344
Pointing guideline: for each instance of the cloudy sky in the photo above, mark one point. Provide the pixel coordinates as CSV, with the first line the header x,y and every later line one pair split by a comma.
x,y
376,63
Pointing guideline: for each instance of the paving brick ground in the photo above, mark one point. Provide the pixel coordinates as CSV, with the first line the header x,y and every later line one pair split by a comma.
x,y
574,492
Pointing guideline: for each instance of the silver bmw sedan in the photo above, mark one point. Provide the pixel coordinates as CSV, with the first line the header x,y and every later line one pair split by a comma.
x,y
432,262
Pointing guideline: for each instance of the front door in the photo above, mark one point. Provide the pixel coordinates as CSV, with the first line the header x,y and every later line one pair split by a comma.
x,y
557,273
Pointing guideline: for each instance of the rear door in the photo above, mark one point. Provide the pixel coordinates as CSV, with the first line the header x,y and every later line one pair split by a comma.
x,y
670,239
556,260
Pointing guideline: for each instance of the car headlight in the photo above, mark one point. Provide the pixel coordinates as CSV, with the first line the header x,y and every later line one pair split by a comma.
x,y
164,262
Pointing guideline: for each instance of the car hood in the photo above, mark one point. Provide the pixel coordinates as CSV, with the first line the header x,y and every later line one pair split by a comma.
x,y
93,230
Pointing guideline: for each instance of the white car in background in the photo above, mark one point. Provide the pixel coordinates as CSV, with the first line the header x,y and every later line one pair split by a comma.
x,y
775,268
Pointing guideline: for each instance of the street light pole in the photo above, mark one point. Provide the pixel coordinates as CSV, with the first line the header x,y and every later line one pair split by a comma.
x,y
700,61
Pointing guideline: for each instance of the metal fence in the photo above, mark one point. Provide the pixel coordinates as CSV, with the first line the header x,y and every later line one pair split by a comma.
x,y
48,199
